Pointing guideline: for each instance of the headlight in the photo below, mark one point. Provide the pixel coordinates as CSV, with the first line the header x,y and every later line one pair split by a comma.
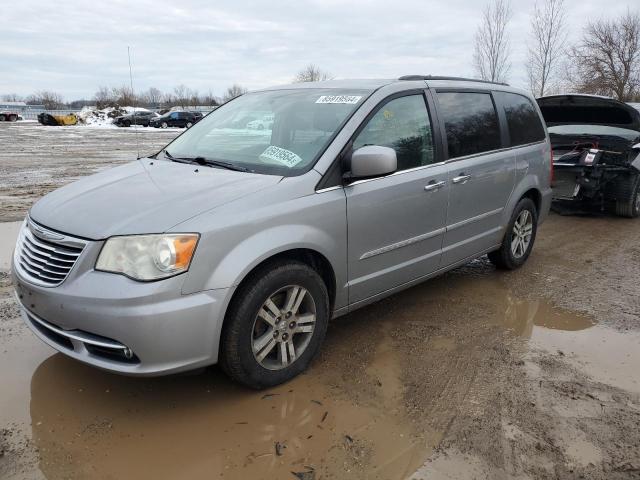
x,y
148,257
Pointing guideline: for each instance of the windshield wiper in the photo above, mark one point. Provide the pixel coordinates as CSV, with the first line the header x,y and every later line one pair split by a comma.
x,y
207,161
222,164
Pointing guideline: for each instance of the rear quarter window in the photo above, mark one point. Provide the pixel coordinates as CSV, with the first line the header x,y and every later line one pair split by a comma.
x,y
470,122
523,121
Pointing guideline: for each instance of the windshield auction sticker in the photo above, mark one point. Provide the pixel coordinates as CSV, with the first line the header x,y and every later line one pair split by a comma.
x,y
281,156
348,99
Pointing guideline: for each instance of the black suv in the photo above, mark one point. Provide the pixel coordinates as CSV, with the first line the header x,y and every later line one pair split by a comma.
x,y
176,119
140,118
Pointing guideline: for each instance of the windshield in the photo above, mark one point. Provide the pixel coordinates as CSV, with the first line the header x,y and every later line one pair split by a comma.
x,y
280,132
593,130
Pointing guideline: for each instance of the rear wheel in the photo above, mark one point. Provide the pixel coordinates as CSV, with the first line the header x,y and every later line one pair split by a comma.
x,y
2,118
275,325
627,192
519,237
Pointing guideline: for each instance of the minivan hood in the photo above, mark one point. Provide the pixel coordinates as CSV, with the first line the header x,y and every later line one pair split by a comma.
x,y
145,196
588,110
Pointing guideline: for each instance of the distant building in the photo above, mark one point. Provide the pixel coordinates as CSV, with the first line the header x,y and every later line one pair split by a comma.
x,y
20,107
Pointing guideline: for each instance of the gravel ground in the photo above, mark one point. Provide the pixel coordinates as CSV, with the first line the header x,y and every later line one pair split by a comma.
x,y
531,374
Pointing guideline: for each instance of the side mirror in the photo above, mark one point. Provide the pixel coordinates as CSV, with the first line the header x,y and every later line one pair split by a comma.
x,y
373,161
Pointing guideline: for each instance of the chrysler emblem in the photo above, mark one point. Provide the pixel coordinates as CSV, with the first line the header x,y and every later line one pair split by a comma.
x,y
43,233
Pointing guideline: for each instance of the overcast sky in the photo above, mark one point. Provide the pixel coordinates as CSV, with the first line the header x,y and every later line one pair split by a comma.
x,y
74,46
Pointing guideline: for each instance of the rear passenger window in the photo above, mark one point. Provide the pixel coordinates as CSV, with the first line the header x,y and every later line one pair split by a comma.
x,y
523,119
470,122
402,124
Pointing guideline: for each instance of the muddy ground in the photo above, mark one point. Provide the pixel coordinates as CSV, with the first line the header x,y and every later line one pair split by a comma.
x,y
531,374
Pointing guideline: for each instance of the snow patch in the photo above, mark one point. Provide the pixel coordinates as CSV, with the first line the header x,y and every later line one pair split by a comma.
x,y
104,117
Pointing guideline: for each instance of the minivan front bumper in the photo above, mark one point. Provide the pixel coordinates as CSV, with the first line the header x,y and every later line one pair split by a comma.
x,y
124,326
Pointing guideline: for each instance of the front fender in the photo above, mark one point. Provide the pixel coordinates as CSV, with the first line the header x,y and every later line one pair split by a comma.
x,y
252,251
234,242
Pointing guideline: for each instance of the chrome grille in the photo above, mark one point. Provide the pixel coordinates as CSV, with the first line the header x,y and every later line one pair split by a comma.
x,y
45,257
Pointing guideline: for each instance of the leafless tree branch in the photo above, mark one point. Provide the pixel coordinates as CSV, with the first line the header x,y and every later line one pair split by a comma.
x,y
607,60
312,73
491,51
546,48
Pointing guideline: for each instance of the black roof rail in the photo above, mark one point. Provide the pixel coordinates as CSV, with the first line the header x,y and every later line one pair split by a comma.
x,y
459,79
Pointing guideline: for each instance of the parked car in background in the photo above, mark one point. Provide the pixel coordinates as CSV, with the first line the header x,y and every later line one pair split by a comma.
x,y
596,152
138,118
238,247
8,116
262,123
176,119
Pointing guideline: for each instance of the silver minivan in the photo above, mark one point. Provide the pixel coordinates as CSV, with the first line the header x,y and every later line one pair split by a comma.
x,y
237,244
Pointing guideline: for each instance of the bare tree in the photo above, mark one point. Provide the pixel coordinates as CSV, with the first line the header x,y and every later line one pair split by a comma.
x,y
607,60
153,97
168,99
312,73
548,37
210,99
233,91
491,51
123,96
11,97
50,100
181,95
194,97
103,97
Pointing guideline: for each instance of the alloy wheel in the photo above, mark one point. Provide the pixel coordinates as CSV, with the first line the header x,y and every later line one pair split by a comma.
x,y
521,234
283,327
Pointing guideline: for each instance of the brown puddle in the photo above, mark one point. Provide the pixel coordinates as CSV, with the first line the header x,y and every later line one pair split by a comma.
x,y
86,423
203,426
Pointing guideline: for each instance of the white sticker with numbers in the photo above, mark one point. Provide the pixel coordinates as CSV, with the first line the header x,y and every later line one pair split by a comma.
x,y
348,99
281,156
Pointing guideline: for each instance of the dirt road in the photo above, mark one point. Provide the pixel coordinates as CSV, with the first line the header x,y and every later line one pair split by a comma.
x,y
531,374
35,159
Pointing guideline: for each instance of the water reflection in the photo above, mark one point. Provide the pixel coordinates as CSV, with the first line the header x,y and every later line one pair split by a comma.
x,y
522,316
88,423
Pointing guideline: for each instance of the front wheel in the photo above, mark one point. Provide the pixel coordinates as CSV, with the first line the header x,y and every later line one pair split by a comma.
x,y
164,125
275,325
519,237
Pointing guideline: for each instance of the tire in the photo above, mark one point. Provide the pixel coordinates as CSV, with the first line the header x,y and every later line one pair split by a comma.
x,y
2,118
13,118
164,125
243,328
627,192
126,123
505,258
189,124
